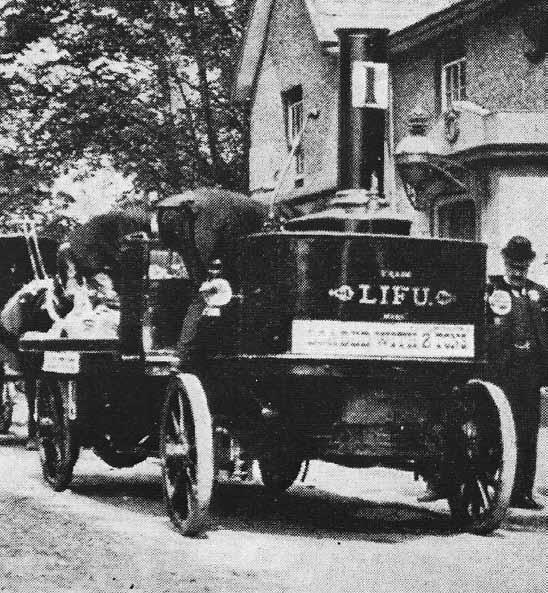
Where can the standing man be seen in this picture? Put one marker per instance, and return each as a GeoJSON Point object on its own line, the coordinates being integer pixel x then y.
{"type": "Point", "coordinates": [518, 355]}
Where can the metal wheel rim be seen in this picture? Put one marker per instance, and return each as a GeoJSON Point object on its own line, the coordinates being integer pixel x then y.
{"type": "Point", "coordinates": [480, 495]}
{"type": "Point", "coordinates": [180, 457]}
{"type": "Point", "coordinates": [186, 450]}
{"type": "Point", "coordinates": [56, 454]}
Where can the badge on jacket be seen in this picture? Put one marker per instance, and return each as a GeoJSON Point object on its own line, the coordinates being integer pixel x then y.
{"type": "Point", "coordinates": [500, 302]}
{"type": "Point", "coordinates": [534, 295]}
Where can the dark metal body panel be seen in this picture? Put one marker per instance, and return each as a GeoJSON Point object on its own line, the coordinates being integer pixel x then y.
{"type": "Point", "coordinates": [287, 276]}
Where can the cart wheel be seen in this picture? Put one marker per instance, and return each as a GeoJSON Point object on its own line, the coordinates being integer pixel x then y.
{"type": "Point", "coordinates": [186, 451]}
{"type": "Point", "coordinates": [483, 458]}
{"type": "Point", "coordinates": [6, 406]}
{"type": "Point", "coordinates": [57, 442]}
{"type": "Point", "coordinates": [279, 470]}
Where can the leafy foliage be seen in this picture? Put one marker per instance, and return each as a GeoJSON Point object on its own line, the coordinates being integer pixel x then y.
{"type": "Point", "coordinates": [143, 82]}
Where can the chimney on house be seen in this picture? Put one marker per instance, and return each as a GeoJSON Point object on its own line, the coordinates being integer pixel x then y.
{"type": "Point", "coordinates": [362, 104]}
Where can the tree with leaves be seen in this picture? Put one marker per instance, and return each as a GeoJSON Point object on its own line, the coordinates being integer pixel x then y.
{"type": "Point", "coordinates": [144, 83]}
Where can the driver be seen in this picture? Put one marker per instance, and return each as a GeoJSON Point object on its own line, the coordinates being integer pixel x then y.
{"type": "Point", "coordinates": [205, 225]}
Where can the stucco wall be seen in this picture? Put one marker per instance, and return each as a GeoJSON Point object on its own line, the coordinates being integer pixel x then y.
{"type": "Point", "coordinates": [518, 198]}
{"type": "Point", "coordinates": [293, 57]}
{"type": "Point", "coordinates": [501, 79]}
{"type": "Point", "coordinates": [499, 76]}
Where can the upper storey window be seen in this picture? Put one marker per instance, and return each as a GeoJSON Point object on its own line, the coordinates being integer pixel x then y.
{"type": "Point", "coordinates": [294, 120]}
{"type": "Point", "coordinates": [453, 82]}
{"type": "Point", "coordinates": [451, 74]}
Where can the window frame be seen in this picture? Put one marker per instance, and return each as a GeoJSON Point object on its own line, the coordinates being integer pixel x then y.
{"type": "Point", "coordinates": [460, 89]}
{"type": "Point", "coordinates": [293, 106]}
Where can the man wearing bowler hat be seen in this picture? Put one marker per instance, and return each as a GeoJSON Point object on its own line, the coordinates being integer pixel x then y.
{"type": "Point", "coordinates": [517, 348]}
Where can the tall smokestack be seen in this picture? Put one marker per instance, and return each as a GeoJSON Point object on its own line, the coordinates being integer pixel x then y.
{"type": "Point", "coordinates": [361, 129]}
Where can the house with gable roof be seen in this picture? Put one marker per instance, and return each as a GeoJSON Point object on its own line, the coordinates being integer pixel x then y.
{"type": "Point", "coordinates": [470, 75]}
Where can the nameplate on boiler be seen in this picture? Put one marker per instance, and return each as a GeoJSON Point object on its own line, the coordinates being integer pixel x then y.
{"type": "Point", "coordinates": [63, 362]}
{"type": "Point", "coordinates": [380, 339]}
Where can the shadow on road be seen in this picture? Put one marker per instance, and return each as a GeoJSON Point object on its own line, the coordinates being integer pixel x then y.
{"type": "Point", "coordinates": [136, 492]}
{"type": "Point", "coordinates": [316, 513]}
{"type": "Point", "coordinates": [303, 512]}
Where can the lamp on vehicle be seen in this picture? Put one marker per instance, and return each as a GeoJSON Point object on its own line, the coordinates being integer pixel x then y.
{"type": "Point", "coordinates": [216, 292]}
{"type": "Point", "coordinates": [425, 174]}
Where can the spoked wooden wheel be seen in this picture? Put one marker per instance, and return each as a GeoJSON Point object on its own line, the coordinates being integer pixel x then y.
{"type": "Point", "coordinates": [57, 442]}
{"type": "Point", "coordinates": [483, 458]}
{"type": "Point", "coordinates": [186, 451]}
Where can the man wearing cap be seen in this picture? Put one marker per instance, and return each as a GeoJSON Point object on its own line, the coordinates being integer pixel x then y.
{"type": "Point", "coordinates": [517, 350]}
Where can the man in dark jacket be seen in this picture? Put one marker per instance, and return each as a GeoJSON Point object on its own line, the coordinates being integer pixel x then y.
{"type": "Point", "coordinates": [95, 246]}
{"type": "Point", "coordinates": [518, 355]}
{"type": "Point", "coordinates": [205, 225]}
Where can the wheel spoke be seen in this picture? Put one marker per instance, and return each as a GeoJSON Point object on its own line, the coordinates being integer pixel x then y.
{"type": "Point", "coordinates": [484, 459]}
{"type": "Point", "coordinates": [483, 494]}
{"type": "Point", "coordinates": [181, 410]}
{"type": "Point", "coordinates": [186, 452]}
{"type": "Point", "coordinates": [175, 425]}
{"type": "Point", "coordinates": [57, 445]}
{"type": "Point", "coordinates": [179, 455]}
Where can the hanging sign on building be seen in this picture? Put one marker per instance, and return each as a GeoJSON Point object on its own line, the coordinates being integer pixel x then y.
{"type": "Point", "coordinates": [370, 84]}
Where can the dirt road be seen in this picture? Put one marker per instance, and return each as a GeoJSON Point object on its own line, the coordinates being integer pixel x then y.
{"type": "Point", "coordinates": [343, 530]}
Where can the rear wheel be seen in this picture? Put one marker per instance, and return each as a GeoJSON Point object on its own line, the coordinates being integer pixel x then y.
{"type": "Point", "coordinates": [57, 443]}
{"type": "Point", "coordinates": [186, 451]}
{"type": "Point", "coordinates": [483, 458]}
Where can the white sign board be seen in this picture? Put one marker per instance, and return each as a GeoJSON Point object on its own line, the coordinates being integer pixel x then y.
{"type": "Point", "coordinates": [400, 340]}
{"type": "Point", "coordinates": [370, 85]}
{"type": "Point", "coordinates": [66, 363]}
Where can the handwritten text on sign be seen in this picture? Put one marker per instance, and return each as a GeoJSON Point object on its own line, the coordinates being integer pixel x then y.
{"type": "Point", "coordinates": [394, 340]}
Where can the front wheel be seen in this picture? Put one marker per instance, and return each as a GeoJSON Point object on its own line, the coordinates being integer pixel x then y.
{"type": "Point", "coordinates": [482, 441]}
{"type": "Point", "coordinates": [186, 452]}
{"type": "Point", "coordinates": [57, 442]}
